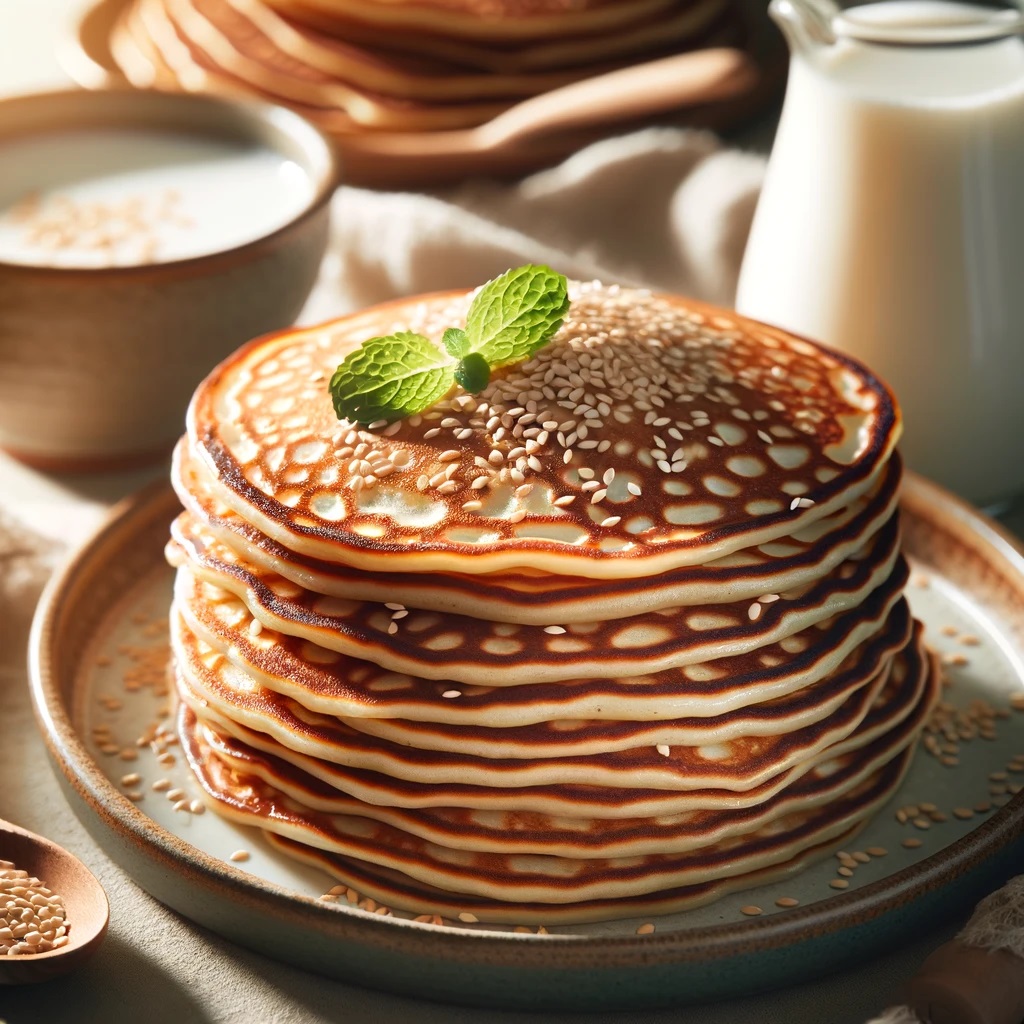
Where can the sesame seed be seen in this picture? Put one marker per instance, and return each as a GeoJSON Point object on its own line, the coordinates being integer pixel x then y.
{"type": "Point", "coordinates": [392, 628]}
{"type": "Point", "coordinates": [787, 901]}
{"type": "Point", "coordinates": [239, 856]}
{"type": "Point", "coordinates": [451, 694]}
{"type": "Point", "coordinates": [877, 851]}
{"type": "Point", "coordinates": [645, 929]}
{"type": "Point", "coordinates": [754, 612]}
{"type": "Point", "coordinates": [634, 488]}
{"type": "Point", "coordinates": [611, 521]}
{"type": "Point", "coordinates": [394, 606]}
{"type": "Point", "coordinates": [598, 495]}
{"type": "Point", "coordinates": [468, 918]}
{"type": "Point", "coordinates": [912, 843]}
{"type": "Point", "coordinates": [844, 871]}
{"type": "Point", "coordinates": [751, 911]}
{"type": "Point", "coordinates": [663, 749]}
{"type": "Point", "coordinates": [554, 629]}
{"type": "Point", "coordinates": [839, 883]}
{"type": "Point", "coordinates": [399, 615]}
{"type": "Point", "coordinates": [517, 516]}
{"type": "Point", "coordinates": [566, 499]}
{"type": "Point", "coordinates": [472, 506]}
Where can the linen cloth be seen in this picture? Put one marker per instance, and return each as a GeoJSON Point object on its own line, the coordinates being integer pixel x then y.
{"type": "Point", "coordinates": [662, 208]}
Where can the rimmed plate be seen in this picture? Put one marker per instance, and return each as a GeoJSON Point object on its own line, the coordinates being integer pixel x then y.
{"type": "Point", "coordinates": [389, 159]}
{"type": "Point", "coordinates": [98, 653]}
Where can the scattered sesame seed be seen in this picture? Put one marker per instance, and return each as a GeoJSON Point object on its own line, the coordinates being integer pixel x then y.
{"type": "Point", "coordinates": [877, 851]}
{"type": "Point", "coordinates": [468, 918]}
{"type": "Point", "coordinates": [450, 694]}
{"type": "Point", "coordinates": [131, 780]}
{"type": "Point", "coordinates": [787, 901]}
{"type": "Point", "coordinates": [845, 871]}
{"type": "Point", "coordinates": [861, 857]}
{"type": "Point", "coordinates": [963, 813]}
{"type": "Point", "coordinates": [554, 629]}
{"type": "Point", "coordinates": [751, 911]}
{"type": "Point", "coordinates": [392, 628]}
{"type": "Point", "coordinates": [239, 856]}
{"type": "Point", "coordinates": [646, 929]}
{"type": "Point", "coordinates": [839, 883]}
{"type": "Point", "coordinates": [912, 843]}
{"type": "Point", "coordinates": [611, 521]}
{"type": "Point", "coordinates": [754, 612]}
{"type": "Point", "coordinates": [663, 749]}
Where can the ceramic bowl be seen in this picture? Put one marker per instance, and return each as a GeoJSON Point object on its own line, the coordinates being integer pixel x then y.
{"type": "Point", "coordinates": [97, 364]}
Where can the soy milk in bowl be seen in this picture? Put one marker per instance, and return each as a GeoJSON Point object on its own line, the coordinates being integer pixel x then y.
{"type": "Point", "coordinates": [891, 224]}
{"type": "Point", "coordinates": [117, 198]}
{"type": "Point", "coordinates": [143, 237]}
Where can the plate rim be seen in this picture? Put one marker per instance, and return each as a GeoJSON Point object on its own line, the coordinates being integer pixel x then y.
{"type": "Point", "coordinates": [79, 772]}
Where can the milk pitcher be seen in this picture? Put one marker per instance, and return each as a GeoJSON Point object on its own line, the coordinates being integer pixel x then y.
{"type": "Point", "coordinates": [891, 223]}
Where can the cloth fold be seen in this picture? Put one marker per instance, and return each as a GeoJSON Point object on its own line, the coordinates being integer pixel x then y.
{"type": "Point", "coordinates": [663, 208]}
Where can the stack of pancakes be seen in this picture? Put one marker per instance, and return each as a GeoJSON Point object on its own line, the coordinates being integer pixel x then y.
{"type": "Point", "coordinates": [356, 66]}
{"type": "Point", "coordinates": [621, 633]}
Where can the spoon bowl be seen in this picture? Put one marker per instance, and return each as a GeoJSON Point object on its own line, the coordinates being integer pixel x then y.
{"type": "Point", "coordinates": [88, 912]}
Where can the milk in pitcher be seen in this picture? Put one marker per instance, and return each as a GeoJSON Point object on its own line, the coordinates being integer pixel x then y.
{"type": "Point", "coordinates": [891, 224]}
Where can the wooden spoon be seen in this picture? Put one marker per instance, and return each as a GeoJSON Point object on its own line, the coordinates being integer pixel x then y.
{"type": "Point", "coordinates": [84, 900]}
{"type": "Point", "coordinates": [641, 90]}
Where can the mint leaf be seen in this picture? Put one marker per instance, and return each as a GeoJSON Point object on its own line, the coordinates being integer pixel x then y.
{"type": "Point", "coordinates": [514, 315]}
{"type": "Point", "coordinates": [401, 374]}
{"type": "Point", "coordinates": [473, 374]}
{"type": "Point", "coordinates": [390, 377]}
{"type": "Point", "coordinates": [454, 340]}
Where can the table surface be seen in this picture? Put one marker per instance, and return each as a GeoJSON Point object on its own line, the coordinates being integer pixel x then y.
{"type": "Point", "coordinates": [154, 965]}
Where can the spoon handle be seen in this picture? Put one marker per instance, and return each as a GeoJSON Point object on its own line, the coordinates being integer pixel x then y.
{"type": "Point", "coordinates": [702, 76]}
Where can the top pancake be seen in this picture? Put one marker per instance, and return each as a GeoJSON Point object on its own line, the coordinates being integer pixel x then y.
{"type": "Point", "coordinates": [733, 433]}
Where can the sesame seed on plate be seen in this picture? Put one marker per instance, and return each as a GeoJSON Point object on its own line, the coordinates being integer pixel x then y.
{"type": "Point", "coordinates": [451, 694]}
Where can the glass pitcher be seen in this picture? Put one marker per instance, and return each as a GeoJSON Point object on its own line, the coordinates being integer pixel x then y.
{"type": "Point", "coordinates": [891, 224]}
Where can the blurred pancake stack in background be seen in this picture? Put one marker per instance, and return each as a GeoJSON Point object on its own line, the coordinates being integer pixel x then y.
{"type": "Point", "coordinates": [367, 71]}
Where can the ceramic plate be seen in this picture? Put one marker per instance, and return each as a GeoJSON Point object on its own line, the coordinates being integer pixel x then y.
{"type": "Point", "coordinates": [384, 159]}
{"type": "Point", "coordinates": [98, 658]}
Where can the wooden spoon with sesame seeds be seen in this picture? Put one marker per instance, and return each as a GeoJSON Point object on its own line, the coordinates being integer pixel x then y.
{"type": "Point", "coordinates": [87, 910]}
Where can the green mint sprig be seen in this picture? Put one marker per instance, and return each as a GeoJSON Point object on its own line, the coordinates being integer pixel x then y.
{"type": "Point", "coordinates": [510, 318]}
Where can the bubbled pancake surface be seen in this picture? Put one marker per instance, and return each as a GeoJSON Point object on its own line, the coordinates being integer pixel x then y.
{"type": "Point", "coordinates": [530, 597]}
{"type": "Point", "coordinates": [774, 433]}
{"type": "Point", "coordinates": [857, 643]}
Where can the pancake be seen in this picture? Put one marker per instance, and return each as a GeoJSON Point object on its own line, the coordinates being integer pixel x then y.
{"type": "Point", "coordinates": [496, 21]}
{"type": "Point", "coordinates": [392, 889]}
{"type": "Point", "coordinates": [852, 647]}
{"type": "Point", "coordinates": [522, 879]}
{"type": "Point", "coordinates": [540, 599]}
{"type": "Point", "coordinates": [439, 69]}
{"type": "Point", "coordinates": [660, 32]}
{"type": "Point", "coordinates": [622, 632]}
{"type": "Point", "coordinates": [716, 777]}
{"type": "Point", "coordinates": [465, 649]}
{"type": "Point", "coordinates": [222, 40]}
{"type": "Point", "coordinates": [529, 832]}
{"type": "Point", "coordinates": [830, 427]}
